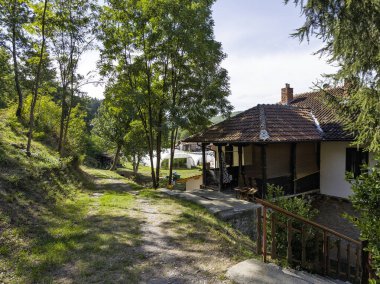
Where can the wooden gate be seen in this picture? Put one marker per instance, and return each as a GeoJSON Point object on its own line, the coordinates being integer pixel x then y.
{"type": "Point", "coordinates": [283, 235]}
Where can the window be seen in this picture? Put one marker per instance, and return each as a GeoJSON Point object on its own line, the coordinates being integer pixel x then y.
{"type": "Point", "coordinates": [355, 159]}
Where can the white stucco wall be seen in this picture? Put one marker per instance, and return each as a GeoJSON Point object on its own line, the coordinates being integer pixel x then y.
{"type": "Point", "coordinates": [333, 167]}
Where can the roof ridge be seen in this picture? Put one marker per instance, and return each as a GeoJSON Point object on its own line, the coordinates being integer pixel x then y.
{"type": "Point", "coordinates": [264, 135]}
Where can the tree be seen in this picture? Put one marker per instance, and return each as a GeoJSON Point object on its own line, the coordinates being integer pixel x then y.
{"type": "Point", "coordinates": [135, 148]}
{"type": "Point", "coordinates": [14, 14]}
{"type": "Point", "coordinates": [6, 78]}
{"type": "Point", "coordinates": [39, 26]}
{"type": "Point", "coordinates": [350, 31]}
{"type": "Point", "coordinates": [112, 123]}
{"type": "Point", "coordinates": [71, 34]}
{"type": "Point", "coordinates": [164, 56]}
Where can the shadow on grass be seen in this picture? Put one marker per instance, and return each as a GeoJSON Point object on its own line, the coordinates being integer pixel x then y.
{"type": "Point", "coordinates": [48, 233]}
{"type": "Point", "coordinates": [195, 224]}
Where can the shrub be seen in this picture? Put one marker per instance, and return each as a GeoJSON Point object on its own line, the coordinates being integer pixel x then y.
{"type": "Point", "coordinates": [296, 205]}
{"type": "Point", "coordinates": [366, 200]}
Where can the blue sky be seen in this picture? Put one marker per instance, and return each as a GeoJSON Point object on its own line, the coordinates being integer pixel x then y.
{"type": "Point", "coordinates": [261, 55]}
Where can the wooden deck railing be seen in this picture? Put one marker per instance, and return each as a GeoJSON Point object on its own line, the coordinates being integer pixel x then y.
{"type": "Point", "coordinates": [309, 245]}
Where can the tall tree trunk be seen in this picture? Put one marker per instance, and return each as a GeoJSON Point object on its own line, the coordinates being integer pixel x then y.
{"type": "Point", "coordinates": [173, 141]}
{"type": "Point", "coordinates": [15, 64]}
{"type": "Point", "coordinates": [36, 83]}
{"type": "Point", "coordinates": [134, 163]}
{"type": "Point", "coordinates": [116, 159]}
{"type": "Point", "coordinates": [158, 147]}
{"type": "Point", "coordinates": [68, 114]}
{"type": "Point", "coordinates": [137, 164]}
{"type": "Point", "coordinates": [62, 123]}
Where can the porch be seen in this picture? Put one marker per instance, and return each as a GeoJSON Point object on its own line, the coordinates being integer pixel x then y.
{"type": "Point", "coordinates": [293, 166]}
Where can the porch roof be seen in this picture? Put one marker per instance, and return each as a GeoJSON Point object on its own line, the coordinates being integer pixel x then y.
{"type": "Point", "coordinates": [264, 123]}
{"type": "Point", "coordinates": [306, 118]}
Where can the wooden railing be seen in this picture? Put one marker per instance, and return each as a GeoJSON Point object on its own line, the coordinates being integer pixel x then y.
{"type": "Point", "coordinates": [309, 245]}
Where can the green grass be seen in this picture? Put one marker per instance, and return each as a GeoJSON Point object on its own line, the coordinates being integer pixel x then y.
{"type": "Point", "coordinates": [50, 222]}
{"type": "Point", "coordinates": [62, 223]}
{"type": "Point", "coordinates": [195, 225]}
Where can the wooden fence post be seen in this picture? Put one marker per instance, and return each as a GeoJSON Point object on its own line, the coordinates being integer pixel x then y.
{"type": "Point", "coordinates": [273, 235]}
{"type": "Point", "coordinates": [348, 272]}
{"type": "Point", "coordinates": [325, 252]}
{"type": "Point", "coordinates": [289, 239]}
{"type": "Point", "coordinates": [264, 234]}
{"type": "Point", "coordinates": [303, 245]}
{"type": "Point", "coordinates": [259, 231]}
{"type": "Point", "coordinates": [364, 263]}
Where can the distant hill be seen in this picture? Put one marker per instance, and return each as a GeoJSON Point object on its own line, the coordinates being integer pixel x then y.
{"type": "Point", "coordinates": [220, 118]}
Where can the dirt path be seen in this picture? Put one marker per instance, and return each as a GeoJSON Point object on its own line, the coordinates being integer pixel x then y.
{"type": "Point", "coordinates": [170, 250]}
{"type": "Point", "coordinates": [170, 258]}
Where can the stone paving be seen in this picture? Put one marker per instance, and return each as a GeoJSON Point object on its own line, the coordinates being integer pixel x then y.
{"type": "Point", "coordinates": [255, 271]}
{"type": "Point", "coordinates": [331, 212]}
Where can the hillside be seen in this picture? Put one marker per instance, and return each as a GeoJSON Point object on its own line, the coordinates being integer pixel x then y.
{"type": "Point", "coordinates": [61, 223]}
{"type": "Point", "coordinates": [35, 194]}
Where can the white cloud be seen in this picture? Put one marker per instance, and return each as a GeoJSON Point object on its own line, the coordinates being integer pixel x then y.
{"type": "Point", "coordinates": [258, 79]}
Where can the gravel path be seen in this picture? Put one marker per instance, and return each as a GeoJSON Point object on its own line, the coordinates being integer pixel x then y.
{"type": "Point", "coordinates": [171, 259]}
{"type": "Point", "coordinates": [165, 255]}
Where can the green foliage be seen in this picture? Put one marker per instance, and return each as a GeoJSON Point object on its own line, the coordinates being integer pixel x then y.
{"type": "Point", "coordinates": [111, 124]}
{"type": "Point", "coordinates": [296, 205]}
{"type": "Point", "coordinates": [351, 34]}
{"type": "Point", "coordinates": [6, 79]}
{"type": "Point", "coordinates": [135, 146]}
{"type": "Point", "coordinates": [366, 199]}
{"type": "Point", "coordinates": [47, 118]}
{"type": "Point", "coordinates": [76, 136]}
{"type": "Point", "coordinates": [162, 57]}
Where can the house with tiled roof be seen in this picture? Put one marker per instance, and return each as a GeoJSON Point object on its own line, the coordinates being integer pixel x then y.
{"type": "Point", "coordinates": [299, 144]}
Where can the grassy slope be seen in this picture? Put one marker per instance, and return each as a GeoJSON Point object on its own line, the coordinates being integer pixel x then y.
{"type": "Point", "coordinates": [51, 224]}
{"type": "Point", "coordinates": [46, 217]}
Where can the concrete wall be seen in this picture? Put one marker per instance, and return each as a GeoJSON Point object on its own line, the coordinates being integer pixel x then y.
{"type": "Point", "coordinates": [244, 220]}
{"type": "Point", "coordinates": [333, 169]}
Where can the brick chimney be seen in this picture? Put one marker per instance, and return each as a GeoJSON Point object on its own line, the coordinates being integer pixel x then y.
{"type": "Point", "coordinates": [286, 94]}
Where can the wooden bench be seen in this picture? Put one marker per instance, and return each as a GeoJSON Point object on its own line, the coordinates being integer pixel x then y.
{"type": "Point", "coordinates": [245, 193]}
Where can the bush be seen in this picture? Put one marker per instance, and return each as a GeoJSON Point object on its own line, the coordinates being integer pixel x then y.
{"type": "Point", "coordinates": [47, 123]}
{"type": "Point", "coordinates": [296, 205]}
{"type": "Point", "coordinates": [366, 200]}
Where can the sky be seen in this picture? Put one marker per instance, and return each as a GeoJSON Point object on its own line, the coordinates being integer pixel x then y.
{"type": "Point", "coordinates": [261, 54]}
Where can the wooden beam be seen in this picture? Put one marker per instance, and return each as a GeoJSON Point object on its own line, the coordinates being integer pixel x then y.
{"type": "Point", "coordinates": [319, 155]}
{"type": "Point", "coordinates": [204, 180]}
{"type": "Point", "coordinates": [240, 173]}
{"type": "Point", "coordinates": [293, 162]}
{"type": "Point", "coordinates": [264, 170]}
{"type": "Point", "coordinates": [220, 167]}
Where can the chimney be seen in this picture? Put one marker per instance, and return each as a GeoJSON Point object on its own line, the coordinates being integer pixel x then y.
{"type": "Point", "coordinates": [286, 94]}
